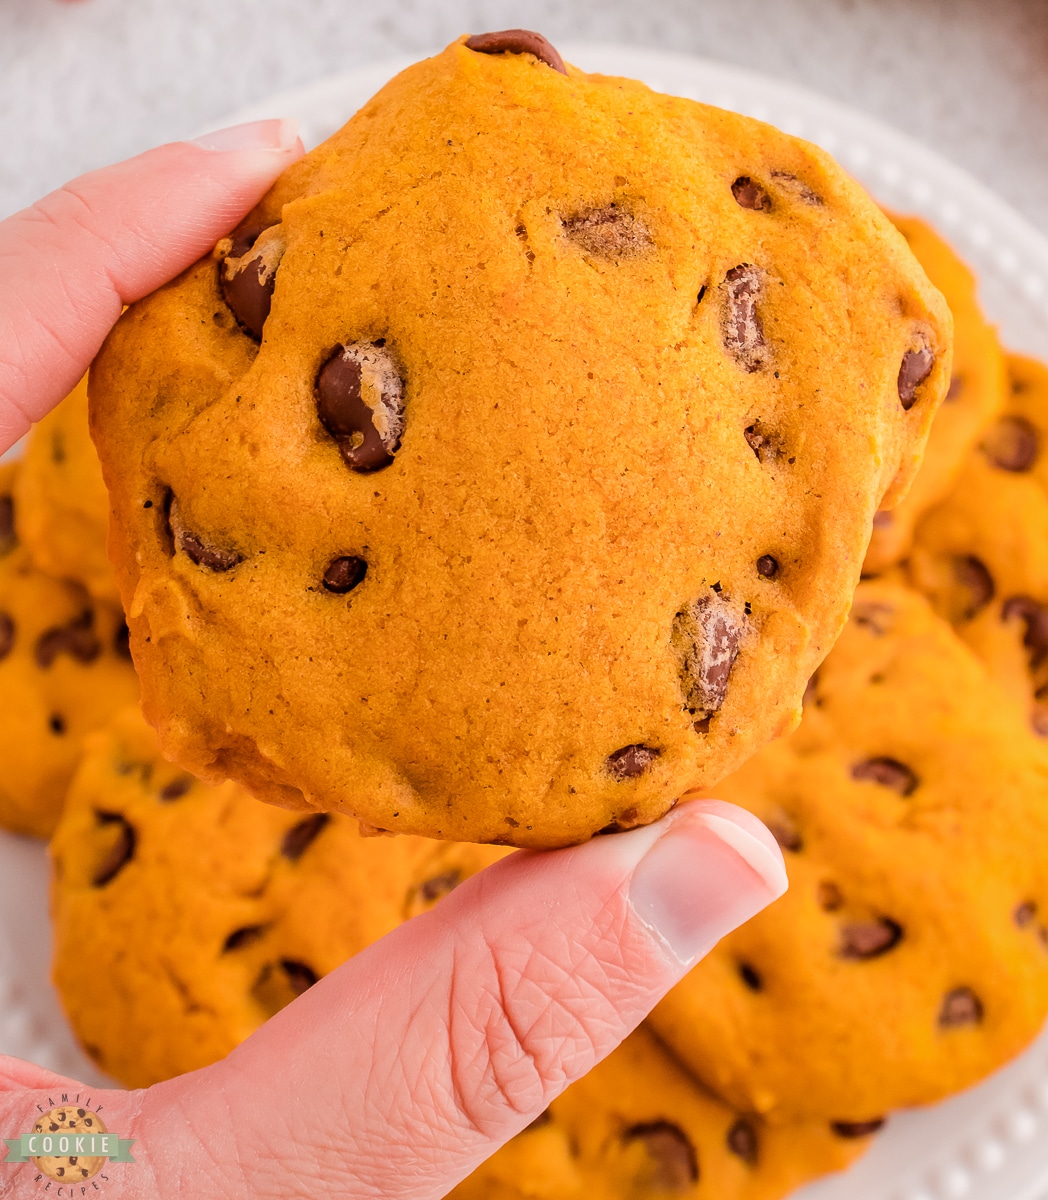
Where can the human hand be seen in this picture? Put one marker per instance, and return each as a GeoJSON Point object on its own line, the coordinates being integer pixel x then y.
{"type": "Point", "coordinates": [71, 261]}
{"type": "Point", "coordinates": [399, 1072]}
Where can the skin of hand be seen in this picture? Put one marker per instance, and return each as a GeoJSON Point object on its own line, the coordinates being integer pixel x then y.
{"type": "Point", "coordinates": [402, 1070]}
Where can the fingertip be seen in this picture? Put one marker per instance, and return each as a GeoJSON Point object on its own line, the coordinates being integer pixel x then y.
{"type": "Point", "coordinates": [279, 134]}
{"type": "Point", "coordinates": [711, 868]}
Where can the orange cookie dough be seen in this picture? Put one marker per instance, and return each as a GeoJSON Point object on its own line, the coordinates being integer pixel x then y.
{"type": "Point", "coordinates": [201, 912]}
{"type": "Point", "coordinates": [63, 509]}
{"type": "Point", "coordinates": [982, 555]}
{"type": "Point", "coordinates": [639, 1127]}
{"type": "Point", "coordinates": [976, 395]}
{"type": "Point", "coordinates": [549, 481]}
{"type": "Point", "coordinates": [64, 670]}
{"type": "Point", "coordinates": [909, 958]}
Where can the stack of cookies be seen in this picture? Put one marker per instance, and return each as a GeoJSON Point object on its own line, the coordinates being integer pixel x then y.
{"type": "Point", "coordinates": [521, 577]}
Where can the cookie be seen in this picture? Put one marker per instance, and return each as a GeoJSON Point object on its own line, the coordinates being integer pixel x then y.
{"type": "Point", "coordinates": [975, 396]}
{"type": "Point", "coordinates": [909, 958]}
{"type": "Point", "coordinates": [186, 914]}
{"type": "Point", "coordinates": [63, 509]}
{"type": "Point", "coordinates": [981, 555]}
{"type": "Point", "coordinates": [60, 1123]}
{"type": "Point", "coordinates": [65, 669]}
{"type": "Point", "coordinates": [550, 479]}
{"type": "Point", "coordinates": [638, 1126]}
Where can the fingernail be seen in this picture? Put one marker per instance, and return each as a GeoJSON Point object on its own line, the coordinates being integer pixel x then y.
{"type": "Point", "coordinates": [713, 869]}
{"type": "Point", "coordinates": [278, 134]}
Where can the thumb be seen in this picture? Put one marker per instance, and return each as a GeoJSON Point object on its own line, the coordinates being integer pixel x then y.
{"type": "Point", "coordinates": [398, 1073]}
{"type": "Point", "coordinates": [108, 238]}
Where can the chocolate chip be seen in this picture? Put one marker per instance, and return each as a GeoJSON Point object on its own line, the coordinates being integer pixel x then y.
{"type": "Point", "coordinates": [247, 274]}
{"type": "Point", "coordinates": [828, 896]}
{"type": "Point", "coordinates": [8, 538]}
{"type": "Point", "coordinates": [631, 761]}
{"type": "Point", "coordinates": [207, 556]}
{"type": "Point", "coordinates": [705, 638]}
{"type": "Point", "coordinates": [517, 41]}
{"type": "Point", "coordinates": [742, 1141]}
{"type": "Point", "coordinates": [360, 402]}
{"type": "Point", "coordinates": [975, 584]}
{"type": "Point", "coordinates": [798, 187]}
{"type": "Point", "coordinates": [199, 552]}
{"type": "Point", "coordinates": [767, 566]}
{"type": "Point", "coordinates": [742, 329]}
{"type": "Point", "coordinates": [766, 445]}
{"type": "Point", "coordinates": [432, 890]}
{"type": "Point", "coordinates": [674, 1165]}
{"type": "Point", "coordinates": [121, 848]}
{"type": "Point", "coordinates": [878, 619]}
{"type": "Point", "coordinates": [343, 574]}
{"type": "Point", "coordinates": [76, 638]}
{"type": "Point", "coordinates": [176, 789]}
{"type": "Point", "coordinates": [1025, 913]}
{"type": "Point", "coordinates": [783, 830]}
{"type": "Point", "coordinates": [888, 772]}
{"type": "Point", "coordinates": [1012, 444]}
{"type": "Point", "coordinates": [915, 369]}
{"type": "Point", "coordinates": [246, 936]}
{"type": "Point", "coordinates": [883, 520]}
{"type": "Point", "coordinates": [56, 723]}
{"type": "Point", "coordinates": [960, 1007]}
{"type": "Point", "coordinates": [750, 194]}
{"type": "Point", "coordinates": [751, 977]}
{"type": "Point", "coordinates": [857, 1129]}
{"type": "Point", "coordinates": [609, 232]}
{"type": "Point", "coordinates": [869, 939]}
{"type": "Point", "coordinates": [122, 641]}
{"type": "Point", "coordinates": [7, 635]}
{"type": "Point", "coordinates": [281, 982]}
{"type": "Point", "coordinates": [300, 837]}
{"type": "Point", "coordinates": [1035, 618]}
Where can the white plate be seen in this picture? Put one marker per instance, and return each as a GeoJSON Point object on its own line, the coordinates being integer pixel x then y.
{"type": "Point", "coordinates": [991, 1143]}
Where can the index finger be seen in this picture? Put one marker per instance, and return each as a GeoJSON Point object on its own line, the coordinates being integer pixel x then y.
{"type": "Point", "coordinates": [71, 261]}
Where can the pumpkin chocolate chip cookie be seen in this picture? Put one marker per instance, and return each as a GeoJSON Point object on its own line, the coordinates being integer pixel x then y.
{"type": "Point", "coordinates": [202, 912]}
{"type": "Point", "coordinates": [511, 468]}
{"type": "Point", "coordinates": [63, 509]}
{"type": "Point", "coordinates": [638, 1127]}
{"type": "Point", "coordinates": [64, 670]}
{"type": "Point", "coordinates": [976, 395]}
{"type": "Point", "coordinates": [982, 554]}
{"type": "Point", "coordinates": [910, 956]}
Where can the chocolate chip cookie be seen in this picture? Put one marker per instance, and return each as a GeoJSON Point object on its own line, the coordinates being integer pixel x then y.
{"type": "Point", "coordinates": [65, 669]}
{"type": "Point", "coordinates": [982, 554]}
{"type": "Point", "coordinates": [638, 1126]}
{"type": "Point", "coordinates": [910, 956]}
{"type": "Point", "coordinates": [510, 469]}
{"type": "Point", "coordinates": [975, 396]}
{"type": "Point", "coordinates": [63, 509]}
{"type": "Point", "coordinates": [202, 911]}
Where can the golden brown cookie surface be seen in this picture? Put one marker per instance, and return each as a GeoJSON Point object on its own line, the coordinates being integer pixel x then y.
{"type": "Point", "coordinates": [63, 508]}
{"type": "Point", "coordinates": [550, 480]}
{"type": "Point", "coordinates": [200, 912]}
{"type": "Point", "coordinates": [638, 1127]}
{"type": "Point", "coordinates": [64, 670]}
{"type": "Point", "coordinates": [982, 554]}
{"type": "Point", "coordinates": [910, 956]}
{"type": "Point", "coordinates": [976, 395]}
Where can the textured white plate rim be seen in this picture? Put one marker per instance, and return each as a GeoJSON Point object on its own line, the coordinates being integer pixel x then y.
{"type": "Point", "coordinates": [990, 1143]}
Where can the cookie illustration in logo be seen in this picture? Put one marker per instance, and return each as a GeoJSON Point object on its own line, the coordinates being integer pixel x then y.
{"type": "Point", "coordinates": [62, 1125]}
